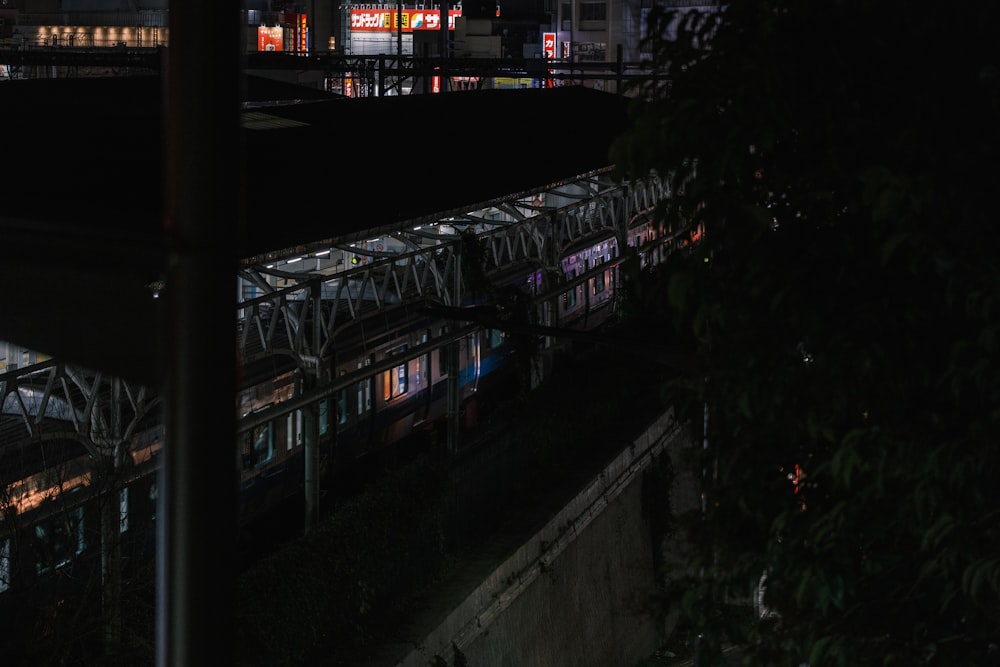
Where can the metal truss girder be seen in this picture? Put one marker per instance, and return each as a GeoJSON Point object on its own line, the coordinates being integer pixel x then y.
{"type": "Point", "coordinates": [593, 217]}
{"type": "Point", "coordinates": [646, 195]}
{"type": "Point", "coordinates": [303, 317]}
{"type": "Point", "coordinates": [53, 399]}
{"type": "Point", "coordinates": [344, 297]}
{"type": "Point", "coordinates": [383, 279]}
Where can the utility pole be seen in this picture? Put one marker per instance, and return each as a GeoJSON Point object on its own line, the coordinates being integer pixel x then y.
{"type": "Point", "coordinates": [443, 78]}
{"type": "Point", "coordinates": [196, 573]}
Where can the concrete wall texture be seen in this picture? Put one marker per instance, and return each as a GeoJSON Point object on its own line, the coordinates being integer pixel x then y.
{"type": "Point", "coordinates": [579, 592]}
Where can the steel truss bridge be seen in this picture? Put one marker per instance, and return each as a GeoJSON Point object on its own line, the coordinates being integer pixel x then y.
{"type": "Point", "coordinates": [294, 302]}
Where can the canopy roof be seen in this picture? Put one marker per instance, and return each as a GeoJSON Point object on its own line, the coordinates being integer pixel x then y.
{"type": "Point", "coordinates": [83, 206]}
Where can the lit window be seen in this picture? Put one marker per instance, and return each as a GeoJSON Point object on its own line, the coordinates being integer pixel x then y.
{"type": "Point", "coordinates": [569, 298]}
{"type": "Point", "coordinates": [258, 446]}
{"type": "Point", "coordinates": [365, 389]}
{"type": "Point", "coordinates": [395, 380]}
{"type": "Point", "coordinates": [59, 540]}
{"type": "Point", "coordinates": [4, 565]}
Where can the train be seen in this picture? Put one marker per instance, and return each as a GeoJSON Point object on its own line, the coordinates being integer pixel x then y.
{"type": "Point", "coordinates": [385, 386]}
{"type": "Point", "coordinates": [389, 382]}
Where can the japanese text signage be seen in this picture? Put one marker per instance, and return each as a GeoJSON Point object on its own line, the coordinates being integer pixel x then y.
{"type": "Point", "coordinates": [549, 45]}
{"type": "Point", "coordinates": [269, 38]}
{"type": "Point", "coordinates": [385, 20]}
{"type": "Point", "coordinates": [303, 33]}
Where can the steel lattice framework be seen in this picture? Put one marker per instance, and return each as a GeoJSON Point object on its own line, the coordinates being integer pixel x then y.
{"type": "Point", "coordinates": [55, 400]}
{"type": "Point", "coordinates": [302, 319]}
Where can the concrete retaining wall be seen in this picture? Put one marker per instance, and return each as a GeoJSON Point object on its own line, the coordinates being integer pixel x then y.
{"type": "Point", "coordinates": [578, 591]}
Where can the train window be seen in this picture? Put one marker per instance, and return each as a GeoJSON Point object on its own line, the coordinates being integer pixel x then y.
{"type": "Point", "coordinates": [418, 369]}
{"type": "Point", "coordinates": [474, 354]}
{"type": "Point", "coordinates": [424, 362]}
{"type": "Point", "coordinates": [4, 565]}
{"type": "Point", "coordinates": [294, 433]}
{"type": "Point", "coordinates": [494, 339]}
{"type": "Point", "coordinates": [365, 388]}
{"type": "Point", "coordinates": [59, 540]}
{"type": "Point", "coordinates": [599, 278]}
{"type": "Point", "coordinates": [394, 380]}
{"type": "Point", "coordinates": [123, 510]}
{"type": "Point", "coordinates": [569, 298]}
{"type": "Point", "coordinates": [258, 447]}
{"type": "Point", "coordinates": [342, 406]}
{"type": "Point", "coordinates": [324, 416]}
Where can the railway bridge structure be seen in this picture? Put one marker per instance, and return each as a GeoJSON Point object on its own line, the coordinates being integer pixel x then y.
{"type": "Point", "coordinates": [351, 210]}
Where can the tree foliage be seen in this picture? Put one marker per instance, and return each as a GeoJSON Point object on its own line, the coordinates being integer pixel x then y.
{"type": "Point", "coordinates": [844, 317]}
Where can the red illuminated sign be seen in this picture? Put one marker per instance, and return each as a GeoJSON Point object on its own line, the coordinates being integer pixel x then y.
{"type": "Point", "coordinates": [303, 34]}
{"type": "Point", "coordinates": [549, 45]}
{"type": "Point", "coordinates": [549, 52]}
{"type": "Point", "coordinates": [269, 39]}
{"type": "Point", "coordinates": [385, 20]}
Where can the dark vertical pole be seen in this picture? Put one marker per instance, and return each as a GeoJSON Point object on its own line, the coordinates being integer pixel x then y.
{"type": "Point", "coordinates": [313, 23]}
{"type": "Point", "coordinates": [196, 606]}
{"type": "Point", "coordinates": [619, 70]}
{"type": "Point", "coordinates": [444, 28]}
{"type": "Point", "coordinates": [311, 378]}
{"type": "Point", "coordinates": [381, 77]}
{"type": "Point", "coordinates": [399, 31]}
{"type": "Point", "coordinates": [454, 386]}
{"type": "Point", "coordinates": [428, 71]}
{"type": "Point", "coordinates": [310, 422]}
{"type": "Point", "coordinates": [444, 46]}
{"type": "Point", "coordinates": [453, 397]}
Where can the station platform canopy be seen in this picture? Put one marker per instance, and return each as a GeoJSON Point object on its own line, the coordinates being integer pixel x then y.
{"type": "Point", "coordinates": [82, 213]}
{"type": "Point", "coordinates": [87, 153]}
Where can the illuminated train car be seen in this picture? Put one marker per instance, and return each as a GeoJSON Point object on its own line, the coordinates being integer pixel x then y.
{"type": "Point", "coordinates": [389, 378]}
{"type": "Point", "coordinates": [66, 509]}
{"type": "Point", "coordinates": [383, 389]}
